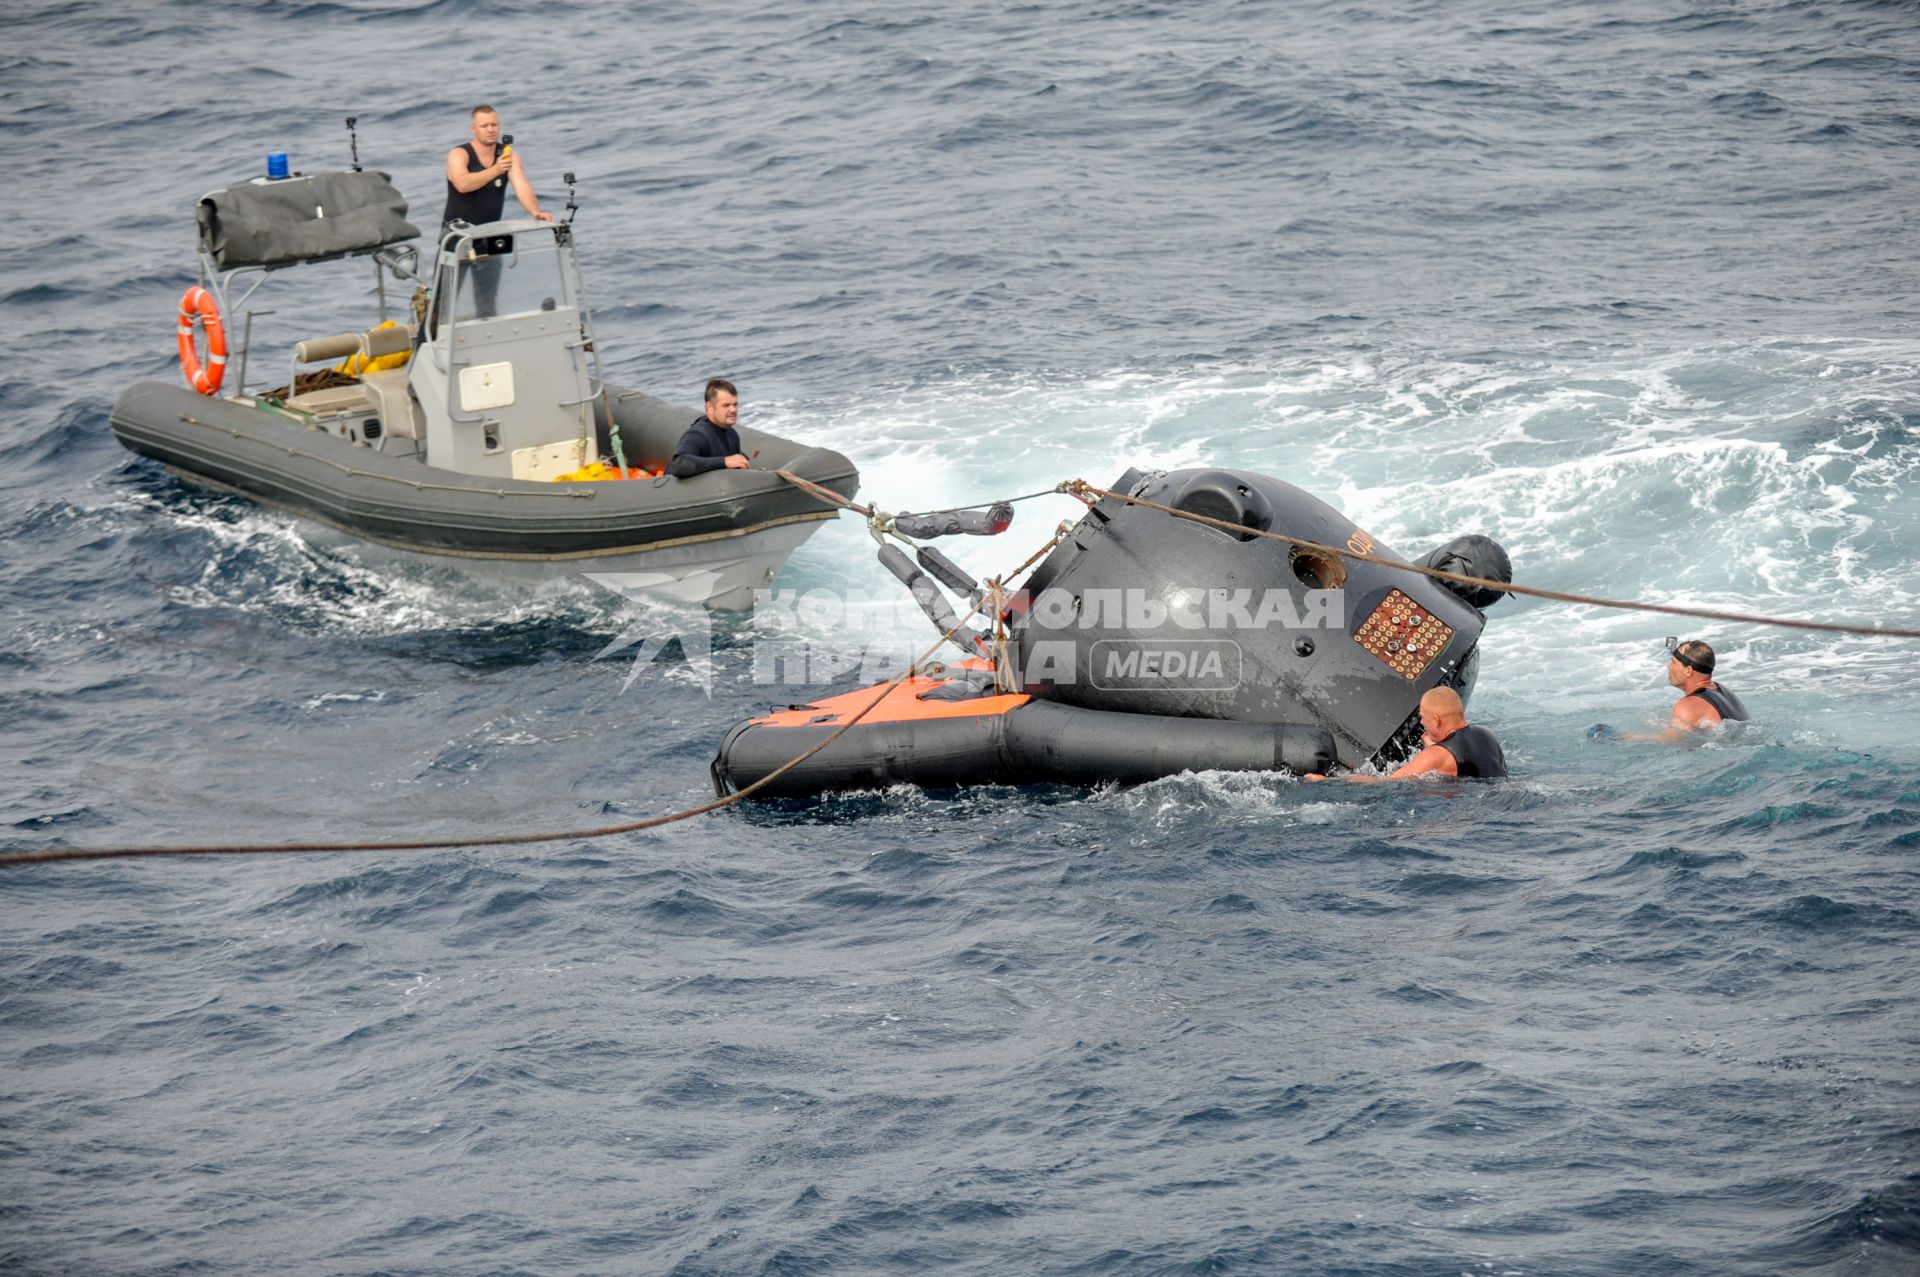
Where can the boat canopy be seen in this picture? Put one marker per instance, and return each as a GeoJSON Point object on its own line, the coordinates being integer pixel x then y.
{"type": "Point", "coordinates": [303, 219]}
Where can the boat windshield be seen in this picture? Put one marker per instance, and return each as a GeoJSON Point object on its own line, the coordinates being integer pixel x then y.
{"type": "Point", "coordinates": [520, 276]}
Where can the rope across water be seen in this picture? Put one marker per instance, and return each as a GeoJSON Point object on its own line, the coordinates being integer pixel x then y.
{"type": "Point", "coordinates": [1079, 488]}
{"type": "Point", "coordinates": [506, 840]}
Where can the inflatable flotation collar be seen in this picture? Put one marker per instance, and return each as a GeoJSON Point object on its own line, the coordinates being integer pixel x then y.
{"type": "Point", "coordinates": [198, 304]}
{"type": "Point", "coordinates": [943, 733]}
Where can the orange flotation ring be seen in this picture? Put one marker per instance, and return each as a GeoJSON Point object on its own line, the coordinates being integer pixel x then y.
{"type": "Point", "coordinates": [198, 304]}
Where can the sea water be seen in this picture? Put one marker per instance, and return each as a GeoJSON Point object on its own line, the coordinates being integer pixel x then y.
{"type": "Point", "coordinates": [1628, 287]}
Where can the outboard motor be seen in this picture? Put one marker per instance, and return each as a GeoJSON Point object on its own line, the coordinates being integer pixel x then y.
{"type": "Point", "coordinates": [1143, 612]}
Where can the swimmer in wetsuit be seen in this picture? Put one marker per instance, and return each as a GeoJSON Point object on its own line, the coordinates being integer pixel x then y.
{"type": "Point", "coordinates": [1453, 747]}
{"type": "Point", "coordinates": [1703, 703]}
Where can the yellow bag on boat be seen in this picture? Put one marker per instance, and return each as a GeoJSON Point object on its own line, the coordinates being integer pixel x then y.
{"type": "Point", "coordinates": [354, 365]}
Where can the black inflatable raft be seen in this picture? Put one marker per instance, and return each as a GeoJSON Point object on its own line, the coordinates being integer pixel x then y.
{"type": "Point", "coordinates": [1148, 643]}
{"type": "Point", "coordinates": [918, 735]}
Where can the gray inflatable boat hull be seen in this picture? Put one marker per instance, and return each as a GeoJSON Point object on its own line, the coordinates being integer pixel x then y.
{"type": "Point", "coordinates": [720, 534]}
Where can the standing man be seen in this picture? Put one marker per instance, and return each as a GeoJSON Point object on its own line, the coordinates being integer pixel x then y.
{"type": "Point", "coordinates": [477, 176]}
{"type": "Point", "coordinates": [478, 173]}
{"type": "Point", "coordinates": [711, 442]}
{"type": "Point", "coordinates": [1452, 746]}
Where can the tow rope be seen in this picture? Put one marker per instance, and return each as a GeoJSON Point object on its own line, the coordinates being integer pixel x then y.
{"type": "Point", "coordinates": [993, 595]}
{"type": "Point", "coordinates": [1080, 487]}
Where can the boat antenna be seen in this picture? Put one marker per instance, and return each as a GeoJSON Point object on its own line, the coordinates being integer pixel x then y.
{"type": "Point", "coordinates": [573, 205]}
{"type": "Point", "coordinates": [353, 140]}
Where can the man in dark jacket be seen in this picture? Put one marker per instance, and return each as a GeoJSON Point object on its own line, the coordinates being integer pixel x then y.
{"type": "Point", "coordinates": [711, 442]}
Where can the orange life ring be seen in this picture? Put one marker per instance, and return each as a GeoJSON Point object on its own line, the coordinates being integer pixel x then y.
{"type": "Point", "coordinates": [199, 304]}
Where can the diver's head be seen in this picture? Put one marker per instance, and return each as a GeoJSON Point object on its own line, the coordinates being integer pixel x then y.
{"type": "Point", "coordinates": [1442, 712]}
{"type": "Point", "coordinates": [1692, 659]}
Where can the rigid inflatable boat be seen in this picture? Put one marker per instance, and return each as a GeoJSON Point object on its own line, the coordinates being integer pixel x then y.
{"type": "Point", "coordinates": [1149, 643]}
{"type": "Point", "coordinates": [478, 428]}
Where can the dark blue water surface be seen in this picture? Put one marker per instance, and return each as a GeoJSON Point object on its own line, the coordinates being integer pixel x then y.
{"type": "Point", "coordinates": [1629, 286]}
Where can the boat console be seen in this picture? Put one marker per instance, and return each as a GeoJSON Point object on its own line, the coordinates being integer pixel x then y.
{"type": "Point", "coordinates": [505, 374]}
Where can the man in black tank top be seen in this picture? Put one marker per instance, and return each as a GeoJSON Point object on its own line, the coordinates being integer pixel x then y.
{"type": "Point", "coordinates": [478, 174]}
{"type": "Point", "coordinates": [1703, 703]}
{"type": "Point", "coordinates": [1452, 746]}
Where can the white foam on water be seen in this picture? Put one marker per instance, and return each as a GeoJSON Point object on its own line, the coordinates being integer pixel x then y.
{"type": "Point", "coordinates": [1773, 478]}
{"type": "Point", "coordinates": [340, 698]}
{"type": "Point", "coordinates": [262, 563]}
